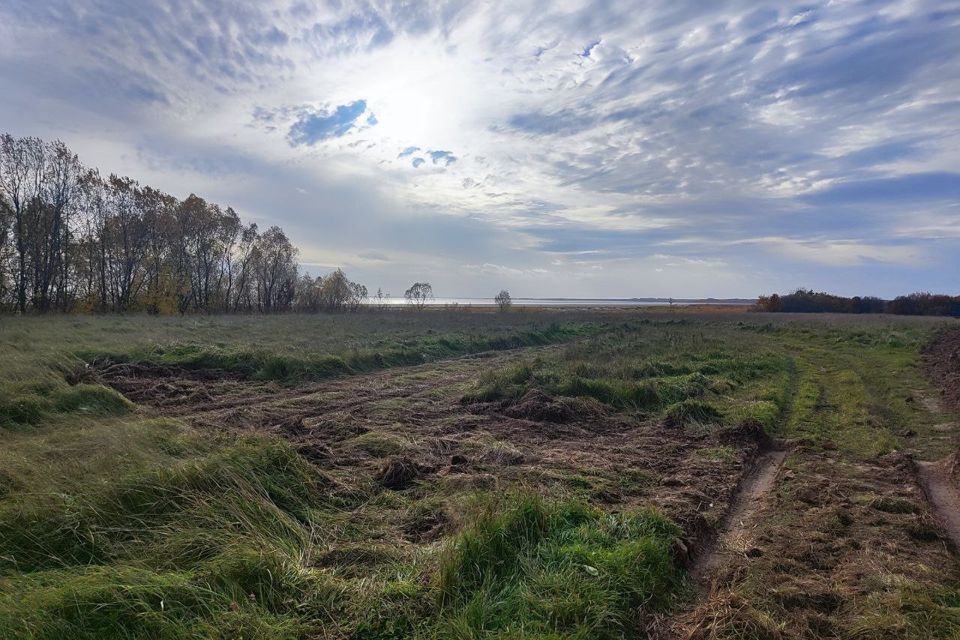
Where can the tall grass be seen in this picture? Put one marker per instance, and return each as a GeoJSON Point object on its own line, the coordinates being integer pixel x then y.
{"type": "Point", "coordinates": [657, 369]}
{"type": "Point", "coordinates": [177, 552]}
{"type": "Point", "coordinates": [117, 525]}
{"type": "Point", "coordinates": [531, 569]}
{"type": "Point", "coordinates": [297, 368]}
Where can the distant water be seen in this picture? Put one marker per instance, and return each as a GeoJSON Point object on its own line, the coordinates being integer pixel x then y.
{"type": "Point", "coordinates": [561, 302]}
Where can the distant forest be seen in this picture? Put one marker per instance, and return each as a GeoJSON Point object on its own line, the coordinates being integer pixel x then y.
{"type": "Point", "coordinates": [915, 304]}
{"type": "Point", "coordinates": [74, 240]}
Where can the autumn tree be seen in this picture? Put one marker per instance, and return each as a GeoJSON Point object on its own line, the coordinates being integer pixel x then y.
{"type": "Point", "coordinates": [71, 239]}
{"type": "Point", "coordinates": [275, 260]}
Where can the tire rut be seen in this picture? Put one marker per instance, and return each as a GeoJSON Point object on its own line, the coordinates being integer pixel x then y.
{"type": "Point", "coordinates": [734, 536]}
{"type": "Point", "coordinates": [943, 495]}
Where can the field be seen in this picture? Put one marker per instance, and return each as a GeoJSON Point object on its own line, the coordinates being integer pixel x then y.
{"type": "Point", "coordinates": [470, 475]}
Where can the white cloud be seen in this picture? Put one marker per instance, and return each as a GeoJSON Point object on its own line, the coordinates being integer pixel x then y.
{"type": "Point", "coordinates": [621, 128]}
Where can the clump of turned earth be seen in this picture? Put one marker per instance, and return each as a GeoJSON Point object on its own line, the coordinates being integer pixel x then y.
{"type": "Point", "coordinates": [409, 432]}
{"type": "Point", "coordinates": [399, 472]}
{"type": "Point", "coordinates": [942, 360]}
{"type": "Point", "coordinates": [536, 405]}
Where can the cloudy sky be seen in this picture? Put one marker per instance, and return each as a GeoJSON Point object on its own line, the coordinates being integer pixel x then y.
{"type": "Point", "coordinates": [613, 148]}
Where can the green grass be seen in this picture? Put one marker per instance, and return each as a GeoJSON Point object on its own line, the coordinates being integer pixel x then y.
{"type": "Point", "coordinates": [660, 369]}
{"type": "Point", "coordinates": [291, 349]}
{"type": "Point", "coordinates": [295, 368]}
{"type": "Point", "coordinates": [167, 553]}
{"type": "Point", "coordinates": [533, 569]}
{"type": "Point", "coordinates": [116, 524]}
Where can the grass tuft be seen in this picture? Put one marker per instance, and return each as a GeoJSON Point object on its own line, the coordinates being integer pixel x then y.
{"type": "Point", "coordinates": [534, 569]}
{"type": "Point", "coordinates": [692, 412]}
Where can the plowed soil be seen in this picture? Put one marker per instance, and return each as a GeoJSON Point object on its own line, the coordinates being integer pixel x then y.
{"type": "Point", "coordinates": [820, 549]}
{"type": "Point", "coordinates": [412, 422]}
{"type": "Point", "coordinates": [942, 360]}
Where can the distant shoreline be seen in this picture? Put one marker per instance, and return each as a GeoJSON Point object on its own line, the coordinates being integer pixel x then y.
{"type": "Point", "coordinates": [572, 302]}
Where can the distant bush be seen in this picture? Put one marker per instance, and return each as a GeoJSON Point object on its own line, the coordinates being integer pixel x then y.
{"type": "Point", "coordinates": [809, 301]}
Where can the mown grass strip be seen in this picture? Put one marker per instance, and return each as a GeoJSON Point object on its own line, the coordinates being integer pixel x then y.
{"type": "Point", "coordinates": [293, 368]}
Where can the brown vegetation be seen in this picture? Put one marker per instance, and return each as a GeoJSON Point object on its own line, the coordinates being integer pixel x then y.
{"type": "Point", "coordinates": [411, 427]}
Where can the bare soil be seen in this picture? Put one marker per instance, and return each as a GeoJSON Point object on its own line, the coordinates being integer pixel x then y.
{"type": "Point", "coordinates": [408, 429]}
{"type": "Point", "coordinates": [942, 361]}
{"type": "Point", "coordinates": [939, 481]}
{"type": "Point", "coordinates": [822, 548]}
{"type": "Point", "coordinates": [736, 535]}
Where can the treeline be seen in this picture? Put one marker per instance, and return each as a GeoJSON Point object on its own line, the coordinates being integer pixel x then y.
{"type": "Point", "coordinates": [74, 240]}
{"type": "Point", "coordinates": [808, 301]}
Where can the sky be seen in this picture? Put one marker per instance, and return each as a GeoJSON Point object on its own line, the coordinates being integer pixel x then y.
{"type": "Point", "coordinates": [581, 149]}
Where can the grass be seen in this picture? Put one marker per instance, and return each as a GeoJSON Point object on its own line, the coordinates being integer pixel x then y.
{"type": "Point", "coordinates": [290, 349]}
{"type": "Point", "coordinates": [662, 369]}
{"type": "Point", "coordinates": [293, 368]}
{"type": "Point", "coordinates": [166, 553]}
{"type": "Point", "coordinates": [118, 524]}
{"type": "Point", "coordinates": [533, 569]}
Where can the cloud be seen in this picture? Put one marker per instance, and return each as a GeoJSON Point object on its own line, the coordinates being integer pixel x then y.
{"type": "Point", "coordinates": [587, 50]}
{"type": "Point", "coordinates": [562, 122]}
{"type": "Point", "coordinates": [446, 157]}
{"type": "Point", "coordinates": [311, 128]}
{"type": "Point", "coordinates": [811, 140]}
{"type": "Point", "coordinates": [842, 253]}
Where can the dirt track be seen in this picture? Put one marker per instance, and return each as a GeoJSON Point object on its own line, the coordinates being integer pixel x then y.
{"type": "Point", "coordinates": [351, 427]}
{"type": "Point", "coordinates": [810, 530]}
{"type": "Point", "coordinates": [940, 486]}
{"type": "Point", "coordinates": [735, 537]}
{"type": "Point", "coordinates": [942, 360]}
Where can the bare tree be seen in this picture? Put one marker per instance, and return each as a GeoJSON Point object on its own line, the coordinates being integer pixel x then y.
{"type": "Point", "coordinates": [21, 172]}
{"type": "Point", "coordinates": [383, 299]}
{"type": "Point", "coordinates": [334, 292]}
{"type": "Point", "coordinates": [419, 294]}
{"type": "Point", "coordinates": [59, 190]}
{"type": "Point", "coordinates": [503, 300]}
{"type": "Point", "coordinates": [243, 265]}
{"type": "Point", "coordinates": [128, 240]}
{"type": "Point", "coordinates": [275, 261]}
{"type": "Point", "coordinates": [358, 293]}
{"type": "Point", "coordinates": [6, 215]}
{"type": "Point", "coordinates": [71, 239]}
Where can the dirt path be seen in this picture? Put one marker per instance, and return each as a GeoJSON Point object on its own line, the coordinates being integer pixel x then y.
{"type": "Point", "coordinates": [348, 426]}
{"type": "Point", "coordinates": [735, 537]}
{"type": "Point", "coordinates": [944, 496]}
{"type": "Point", "coordinates": [174, 391]}
{"type": "Point", "coordinates": [734, 542]}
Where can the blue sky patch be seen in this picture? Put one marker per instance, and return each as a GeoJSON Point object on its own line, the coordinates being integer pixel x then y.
{"type": "Point", "coordinates": [311, 128]}
{"type": "Point", "coordinates": [445, 157]}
